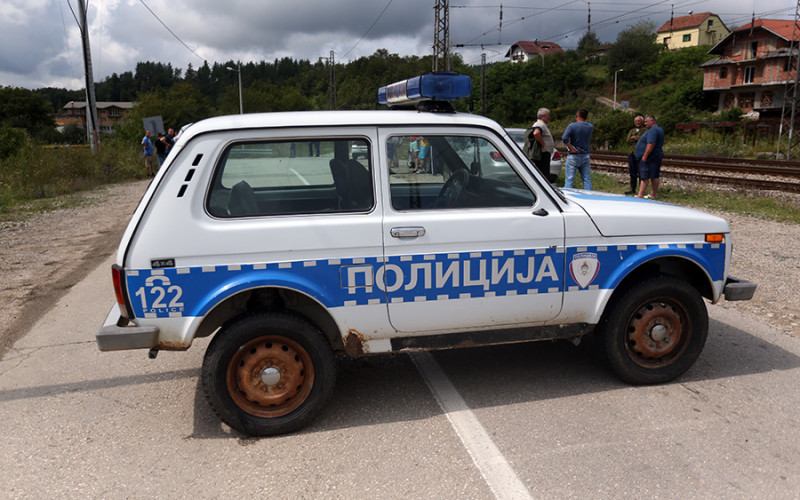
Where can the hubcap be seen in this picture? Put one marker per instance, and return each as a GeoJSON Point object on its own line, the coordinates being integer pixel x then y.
{"type": "Point", "coordinates": [270, 376]}
{"type": "Point", "coordinates": [658, 333]}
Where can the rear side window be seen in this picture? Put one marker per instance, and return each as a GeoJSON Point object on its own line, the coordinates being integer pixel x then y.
{"type": "Point", "coordinates": [292, 177]}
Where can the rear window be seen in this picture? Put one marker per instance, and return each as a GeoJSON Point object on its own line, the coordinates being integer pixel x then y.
{"type": "Point", "coordinates": [292, 177]}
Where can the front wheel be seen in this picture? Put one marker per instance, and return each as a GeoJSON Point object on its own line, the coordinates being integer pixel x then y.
{"type": "Point", "coordinates": [654, 331]}
{"type": "Point", "coordinates": [268, 373]}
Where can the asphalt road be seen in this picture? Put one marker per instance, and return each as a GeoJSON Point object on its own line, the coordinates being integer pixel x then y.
{"type": "Point", "coordinates": [540, 420]}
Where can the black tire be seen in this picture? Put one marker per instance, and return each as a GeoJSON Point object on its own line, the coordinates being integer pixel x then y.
{"type": "Point", "coordinates": [268, 373]}
{"type": "Point", "coordinates": [654, 331]}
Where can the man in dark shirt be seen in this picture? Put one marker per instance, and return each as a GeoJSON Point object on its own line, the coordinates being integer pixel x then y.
{"type": "Point", "coordinates": [578, 137]}
{"type": "Point", "coordinates": [650, 152]}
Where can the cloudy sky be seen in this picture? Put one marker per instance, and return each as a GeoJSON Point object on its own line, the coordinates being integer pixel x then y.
{"type": "Point", "coordinates": [40, 41]}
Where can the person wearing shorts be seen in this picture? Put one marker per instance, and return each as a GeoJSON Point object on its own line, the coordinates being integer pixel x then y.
{"type": "Point", "coordinates": [422, 156]}
{"type": "Point", "coordinates": [649, 153]}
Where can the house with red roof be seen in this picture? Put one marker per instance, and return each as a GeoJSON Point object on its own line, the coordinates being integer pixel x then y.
{"type": "Point", "coordinates": [692, 30]}
{"type": "Point", "coordinates": [109, 114]}
{"type": "Point", "coordinates": [525, 51]}
{"type": "Point", "coordinates": [753, 65]}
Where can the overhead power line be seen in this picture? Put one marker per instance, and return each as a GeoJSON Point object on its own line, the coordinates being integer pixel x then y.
{"type": "Point", "coordinates": [369, 29]}
{"type": "Point", "coordinates": [172, 32]}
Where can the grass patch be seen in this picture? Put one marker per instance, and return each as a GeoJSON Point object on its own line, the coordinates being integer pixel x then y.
{"type": "Point", "coordinates": [35, 179]}
{"type": "Point", "coordinates": [709, 199]}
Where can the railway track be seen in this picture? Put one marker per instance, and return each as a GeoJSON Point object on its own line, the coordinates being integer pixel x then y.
{"type": "Point", "coordinates": [767, 175]}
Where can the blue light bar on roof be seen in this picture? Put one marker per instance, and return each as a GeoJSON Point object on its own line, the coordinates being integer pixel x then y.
{"type": "Point", "coordinates": [440, 86]}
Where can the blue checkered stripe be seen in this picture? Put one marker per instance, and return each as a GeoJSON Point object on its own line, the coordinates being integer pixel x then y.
{"type": "Point", "coordinates": [603, 267]}
{"type": "Point", "coordinates": [193, 291]}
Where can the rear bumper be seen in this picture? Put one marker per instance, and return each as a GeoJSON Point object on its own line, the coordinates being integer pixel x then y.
{"type": "Point", "coordinates": [113, 337]}
{"type": "Point", "coordinates": [736, 289]}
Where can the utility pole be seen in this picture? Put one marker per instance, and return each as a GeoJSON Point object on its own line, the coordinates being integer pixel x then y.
{"type": "Point", "coordinates": [786, 131]}
{"type": "Point", "coordinates": [483, 84]}
{"type": "Point", "coordinates": [332, 82]}
{"type": "Point", "coordinates": [91, 104]}
{"type": "Point", "coordinates": [589, 18]}
{"type": "Point", "coordinates": [615, 87]}
{"type": "Point", "coordinates": [238, 69]}
{"type": "Point", "coordinates": [441, 36]}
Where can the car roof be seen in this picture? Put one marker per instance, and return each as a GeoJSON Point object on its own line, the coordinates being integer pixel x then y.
{"type": "Point", "coordinates": [317, 119]}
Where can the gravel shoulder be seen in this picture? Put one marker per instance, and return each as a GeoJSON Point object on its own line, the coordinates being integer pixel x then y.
{"type": "Point", "coordinates": [43, 255]}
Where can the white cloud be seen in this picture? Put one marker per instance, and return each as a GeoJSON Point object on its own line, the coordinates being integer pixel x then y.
{"type": "Point", "coordinates": [40, 44]}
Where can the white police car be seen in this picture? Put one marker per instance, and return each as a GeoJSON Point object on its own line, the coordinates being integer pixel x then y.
{"type": "Point", "coordinates": [288, 260]}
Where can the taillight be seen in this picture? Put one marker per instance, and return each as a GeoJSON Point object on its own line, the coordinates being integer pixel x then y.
{"type": "Point", "coordinates": [119, 289]}
{"type": "Point", "coordinates": [556, 155]}
{"type": "Point", "coordinates": [496, 156]}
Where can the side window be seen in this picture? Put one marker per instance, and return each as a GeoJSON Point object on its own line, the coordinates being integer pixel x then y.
{"type": "Point", "coordinates": [435, 172]}
{"type": "Point", "coordinates": [292, 177]}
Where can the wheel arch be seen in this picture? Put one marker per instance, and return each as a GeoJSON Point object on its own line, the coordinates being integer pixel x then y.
{"type": "Point", "coordinates": [680, 267]}
{"type": "Point", "coordinates": [270, 297]}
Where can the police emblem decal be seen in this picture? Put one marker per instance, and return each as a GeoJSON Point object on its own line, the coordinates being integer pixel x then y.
{"type": "Point", "coordinates": [584, 268]}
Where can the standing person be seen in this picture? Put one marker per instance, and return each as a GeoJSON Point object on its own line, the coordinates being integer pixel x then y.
{"type": "Point", "coordinates": [161, 149]}
{"type": "Point", "coordinates": [422, 156]}
{"type": "Point", "coordinates": [632, 139]}
{"type": "Point", "coordinates": [650, 151]}
{"type": "Point", "coordinates": [147, 152]}
{"type": "Point", "coordinates": [169, 140]}
{"type": "Point", "coordinates": [543, 136]}
{"type": "Point", "coordinates": [413, 152]}
{"type": "Point", "coordinates": [578, 137]}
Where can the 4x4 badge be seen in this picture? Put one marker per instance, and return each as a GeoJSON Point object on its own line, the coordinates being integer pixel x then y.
{"type": "Point", "coordinates": [584, 268]}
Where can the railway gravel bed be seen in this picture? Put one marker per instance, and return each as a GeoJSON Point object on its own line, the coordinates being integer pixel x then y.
{"type": "Point", "coordinates": [43, 255]}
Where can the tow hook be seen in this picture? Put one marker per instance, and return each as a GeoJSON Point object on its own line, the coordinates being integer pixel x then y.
{"type": "Point", "coordinates": [152, 353]}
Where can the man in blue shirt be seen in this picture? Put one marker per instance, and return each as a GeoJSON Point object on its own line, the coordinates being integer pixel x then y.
{"type": "Point", "coordinates": [577, 137]}
{"type": "Point", "coordinates": [147, 152]}
{"type": "Point", "coordinates": [650, 152]}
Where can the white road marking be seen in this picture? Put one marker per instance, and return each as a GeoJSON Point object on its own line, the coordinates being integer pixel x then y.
{"type": "Point", "coordinates": [494, 468]}
{"type": "Point", "coordinates": [300, 176]}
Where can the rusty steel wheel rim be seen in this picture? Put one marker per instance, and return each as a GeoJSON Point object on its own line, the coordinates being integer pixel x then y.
{"type": "Point", "coordinates": [270, 376]}
{"type": "Point", "coordinates": [658, 333]}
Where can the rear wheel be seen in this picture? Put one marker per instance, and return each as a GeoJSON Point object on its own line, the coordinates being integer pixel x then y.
{"type": "Point", "coordinates": [268, 373]}
{"type": "Point", "coordinates": [655, 330]}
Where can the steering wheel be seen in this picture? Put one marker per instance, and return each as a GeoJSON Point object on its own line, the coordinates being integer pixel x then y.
{"type": "Point", "coordinates": [452, 189]}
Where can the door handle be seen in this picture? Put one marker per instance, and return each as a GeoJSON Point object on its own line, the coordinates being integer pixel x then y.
{"type": "Point", "coordinates": [407, 232]}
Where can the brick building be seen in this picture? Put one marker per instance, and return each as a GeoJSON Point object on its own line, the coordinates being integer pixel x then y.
{"type": "Point", "coordinates": [752, 66]}
{"type": "Point", "coordinates": [108, 114]}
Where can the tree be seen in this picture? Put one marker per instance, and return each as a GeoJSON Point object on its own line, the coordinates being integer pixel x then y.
{"type": "Point", "coordinates": [634, 49]}
{"type": "Point", "coordinates": [180, 105]}
{"type": "Point", "coordinates": [23, 109]}
{"type": "Point", "coordinates": [588, 44]}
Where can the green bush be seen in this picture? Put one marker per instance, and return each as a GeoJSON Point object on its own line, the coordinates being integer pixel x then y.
{"type": "Point", "coordinates": [730, 115]}
{"type": "Point", "coordinates": [611, 129]}
{"type": "Point", "coordinates": [11, 140]}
